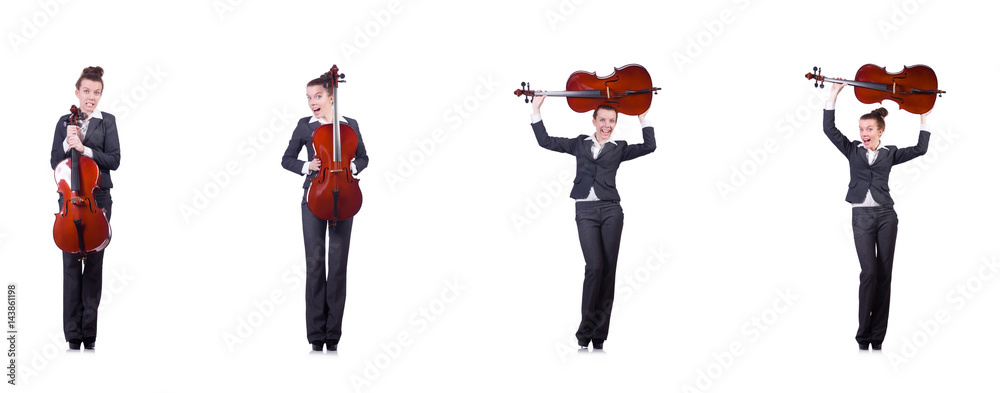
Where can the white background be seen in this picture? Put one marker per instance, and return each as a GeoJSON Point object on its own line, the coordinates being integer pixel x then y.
{"type": "Point", "coordinates": [214, 298]}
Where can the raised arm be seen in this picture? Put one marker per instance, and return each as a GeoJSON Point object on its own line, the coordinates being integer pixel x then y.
{"type": "Point", "coordinates": [648, 141]}
{"type": "Point", "coordinates": [557, 144]}
{"type": "Point", "coordinates": [908, 153]}
{"type": "Point", "coordinates": [829, 127]}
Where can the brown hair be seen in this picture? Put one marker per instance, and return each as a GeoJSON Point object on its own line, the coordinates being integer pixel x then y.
{"type": "Point", "coordinates": [91, 74]}
{"type": "Point", "coordinates": [320, 82]}
{"type": "Point", "coordinates": [878, 115]}
{"type": "Point", "coordinates": [608, 107]}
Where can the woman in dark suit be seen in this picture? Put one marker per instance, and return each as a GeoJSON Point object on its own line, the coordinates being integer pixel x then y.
{"type": "Point", "coordinates": [325, 295]}
{"type": "Point", "coordinates": [873, 218]}
{"type": "Point", "coordinates": [599, 217]}
{"type": "Point", "coordinates": [97, 138]}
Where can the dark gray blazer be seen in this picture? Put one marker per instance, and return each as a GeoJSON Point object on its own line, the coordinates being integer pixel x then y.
{"type": "Point", "coordinates": [874, 177]}
{"type": "Point", "coordinates": [302, 136]}
{"type": "Point", "coordinates": [101, 138]}
{"type": "Point", "coordinates": [597, 173]}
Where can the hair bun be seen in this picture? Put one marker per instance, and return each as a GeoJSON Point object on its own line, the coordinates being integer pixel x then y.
{"type": "Point", "coordinates": [93, 70]}
{"type": "Point", "coordinates": [880, 112]}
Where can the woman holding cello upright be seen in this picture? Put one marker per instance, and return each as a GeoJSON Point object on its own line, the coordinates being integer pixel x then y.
{"type": "Point", "coordinates": [97, 139]}
{"type": "Point", "coordinates": [325, 294]}
{"type": "Point", "coordinates": [599, 217]}
{"type": "Point", "coordinates": [873, 218]}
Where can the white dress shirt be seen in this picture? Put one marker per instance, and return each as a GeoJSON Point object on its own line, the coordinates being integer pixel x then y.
{"type": "Point", "coordinates": [83, 134]}
{"type": "Point", "coordinates": [305, 167]}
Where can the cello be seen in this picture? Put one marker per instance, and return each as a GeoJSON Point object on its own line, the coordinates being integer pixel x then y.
{"type": "Point", "coordinates": [629, 89]}
{"type": "Point", "coordinates": [334, 193]}
{"type": "Point", "coordinates": [81, 226]}
{"type": "Point", "coordinates": [914, 88]}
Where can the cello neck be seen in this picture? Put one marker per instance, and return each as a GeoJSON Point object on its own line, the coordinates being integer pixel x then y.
{"type": "Point", "coordinates": [575, 93]}
{"type": "Point", "coordinates": [335, 126]}
{"type": "Point", "coordinates": [866, 85]}
{"type": "Point", "coordinates": [74, 162]}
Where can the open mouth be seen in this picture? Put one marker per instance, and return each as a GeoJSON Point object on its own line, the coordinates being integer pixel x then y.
{"type": "Point", "coordinates": [315, 111]}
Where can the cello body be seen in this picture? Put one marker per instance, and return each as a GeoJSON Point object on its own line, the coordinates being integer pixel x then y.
{"type": "Point", "coordinates": [334, 193]}
{"type": "Point", "coordinates": [918, 77]}
{"type": "Point", "coordinates": [80, 226]}
{"type": "Point", "coordinates": [628, 78]}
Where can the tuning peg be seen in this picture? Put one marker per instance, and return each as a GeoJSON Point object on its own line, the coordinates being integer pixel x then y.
{"type": "Point", "coordinates": [821, 85]}
{"type": "Point", "coordinates": [814, 69]}
{"type": "Point", "coordinates": [522, 85]}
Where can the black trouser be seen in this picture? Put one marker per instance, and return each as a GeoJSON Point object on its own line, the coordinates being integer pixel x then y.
{"type": "Point", "coordinates": [875, 239]}
{"type": "Point", "coordinates": [599, 224]}
{"type": "Point", "coordinates": [82, 286]}
{"type": "Point", "coordinates": [325, 294]}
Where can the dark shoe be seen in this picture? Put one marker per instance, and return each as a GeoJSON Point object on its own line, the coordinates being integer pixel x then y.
{"type": "Point", "coordinates": [88, 342]}
{"type": "Point", "coordinates": [317, 345]}
{"type": "Point", "coordinates": [863, 346]}
{"type": "Point", "coordinates": [598, 344]}
{"type": "Point", "coordinates": [74, 344]}
{"type": "Point", "coordinates": [583, 343]}
{"type": "Point", "coordinates": [331, 346]}
{"type": "Point", "coordinates": [876, 346]}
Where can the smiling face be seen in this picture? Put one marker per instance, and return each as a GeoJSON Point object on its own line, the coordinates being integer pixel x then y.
{"type": "Point", "coordinates": [604, 124]}
{"type": "Point", "coordinates": [320, 102]}
{"type": "Point", "coordinates": [870, 133]}
{"type": "Point", "coordinates": [89, 94]}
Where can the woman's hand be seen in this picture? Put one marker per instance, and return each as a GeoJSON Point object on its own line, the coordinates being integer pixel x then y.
{"type": "Point", "coordinates": [835, 89]}
{"type": "Point", "coordinates": [315, 164]}
{"type": "Point", "coordinates": [642, 116]}
{"type": "Point", "coordinates": [923, 117]}
{"type": "Point", "coordinates": [73, 138]}
{"type": "Point", "coordinates": [536, 103]}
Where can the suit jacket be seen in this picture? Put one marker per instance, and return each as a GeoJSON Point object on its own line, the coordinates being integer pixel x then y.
{"type": "Point", "coordinates": [874, 177]}
{"type": "Point", "coordinates": [597, 173]}
{"type": "Point", "coordinates": [101, 138]}
{"type": "Point", "coordinates": [302, 136]}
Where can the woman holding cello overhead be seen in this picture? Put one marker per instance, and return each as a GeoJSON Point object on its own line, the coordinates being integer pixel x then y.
{"type": "Point", "coordinates": [96, 139]}
{"type": "Point", "coordinates": [873, 218]}
{"type": "Point", "coordinates": [325, 294]}
{"type": "Point", "coordinates": [599, 217]}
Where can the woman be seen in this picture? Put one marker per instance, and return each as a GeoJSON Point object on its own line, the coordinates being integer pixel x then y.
{"type": "Point", "coordinates": [599, 216]}
{"type": "Point", "coordinates": [873, 218]}
{"type": "Point", "coordinates": [324, 294]}
{"type": "Point", "coordinates": [97, 138]}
